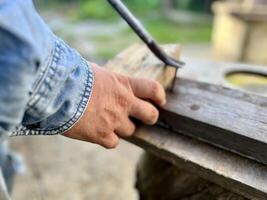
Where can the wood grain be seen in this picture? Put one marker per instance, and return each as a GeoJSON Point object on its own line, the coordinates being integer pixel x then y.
{"type": "Point", "coordinates": [228, 118]}
{"type": "Point", "coordinates": [233, 172]}
{"type": "Point", "coordinates": [138, 61]}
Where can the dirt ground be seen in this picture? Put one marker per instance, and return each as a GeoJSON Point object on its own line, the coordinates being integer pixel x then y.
{"type": "Point", "coordinates": [64, 169]}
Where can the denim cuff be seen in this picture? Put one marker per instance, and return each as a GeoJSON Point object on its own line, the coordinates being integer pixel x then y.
{"type": "Point", "coordinates": [59, 95]}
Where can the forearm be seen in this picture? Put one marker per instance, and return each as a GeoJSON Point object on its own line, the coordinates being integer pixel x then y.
{"type": "Point", "coordinates": [48, 87]}
{"type": "Point", "coordinates": [51, 86]}
{"type": "Point", "coordinates": [16, 78]}
{"type": "Point", "coordinates": [59, 95]}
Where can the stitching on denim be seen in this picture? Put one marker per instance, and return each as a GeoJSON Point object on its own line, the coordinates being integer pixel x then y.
{"type": "Point", "coordinates": [58, 51]}
{"type": "Point", "coordinates": [21, 130]}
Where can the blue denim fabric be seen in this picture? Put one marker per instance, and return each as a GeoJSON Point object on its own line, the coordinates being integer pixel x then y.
{"type": "Point", "coordinates": [44, 84]}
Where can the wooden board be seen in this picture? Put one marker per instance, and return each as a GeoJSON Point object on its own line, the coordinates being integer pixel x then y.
{"type": "Point", "coordinates": [233, 172]}
{"type": "Point", "coordinates": [228, 118]}
{"type": "Point", "coordinates": [138, 61]}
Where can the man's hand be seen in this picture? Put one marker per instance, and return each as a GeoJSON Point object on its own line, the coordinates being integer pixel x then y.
{"type": "Point", "coordinates": [115, 98]}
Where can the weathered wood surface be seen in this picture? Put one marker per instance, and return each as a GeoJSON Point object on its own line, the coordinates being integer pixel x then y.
{"type": "Point", "coordinates": [161, 180]}
{"type": "Point", "coordinates": [238, 174]}
{"type": "Point", "coordinates": [137, 61]}
{"type": "Point", "coordinates": [227, 118]}
{"type": "Point", "coordinates": [232, 119]}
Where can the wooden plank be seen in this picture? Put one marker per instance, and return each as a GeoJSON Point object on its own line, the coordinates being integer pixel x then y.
{"type": "Point", "coordinates": [228, 118]}
{"type": "Point", "coordinates": [138, 61]}
{"type": "Point", "coordinates": [233, 172]}
{"type": "Point", "coordinates": [224, 117]}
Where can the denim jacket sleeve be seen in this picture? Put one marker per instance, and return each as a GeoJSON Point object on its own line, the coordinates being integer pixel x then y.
{"type": "Point", "coordinates": [44, 84]}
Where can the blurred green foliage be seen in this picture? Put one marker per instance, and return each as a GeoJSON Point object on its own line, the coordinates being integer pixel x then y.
{"type": "Point", "coordinates": [150, 12]}
{"type": "Point", "coordinates": [100, 9]}
{"type": "Point", "coordinates": [163, 30]}
{"type": "Point", "coordinates": [167, 31]}
{"type": "Point", "coordinates": [95, 9]}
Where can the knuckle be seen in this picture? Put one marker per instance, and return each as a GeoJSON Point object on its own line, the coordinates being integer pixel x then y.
{"type": "Point", "coordinates": [107, 139]}
{"type": "Point", "coordinates": [103, 134]}
{"type": "Point", "coordinates": [155, 88]}
{"type": "Point", "coordinates": [113, 115]}
{"type": "Point", "coordinates": [121, 100]}
{"type": "Point", "coordinates": [133, 129]}
{"type": "Point", "coordinates": [154, 115]}
{"type": "Point", "coordinates": [130, 131]}
{"type": "Point", "coordinates": [111, 144]}
{"type": "Point", "coordinates": [124, 80]}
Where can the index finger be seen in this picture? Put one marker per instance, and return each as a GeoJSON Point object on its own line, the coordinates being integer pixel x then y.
{"type": "Point", "coordinates": [148, 89]}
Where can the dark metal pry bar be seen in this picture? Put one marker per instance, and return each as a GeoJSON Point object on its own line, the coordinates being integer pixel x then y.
{"type": "Point", "coordinates": [139, 29]}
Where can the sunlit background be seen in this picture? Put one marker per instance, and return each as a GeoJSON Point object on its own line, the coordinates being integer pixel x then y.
{"type": "Point", "coordinates": [94, 28]}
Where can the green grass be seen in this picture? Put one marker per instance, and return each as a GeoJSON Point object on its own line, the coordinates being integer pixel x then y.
{"type": "Point", "coordinates": [163, 30]}
{"type": "Point", "coordinates": [169, 32]}
{"type": "Point", "coordinates": [109, 46]}
{"type": "Point", "coordinates": [96, 10]}
{"type": "Point", "coordinates": [100, 9]}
